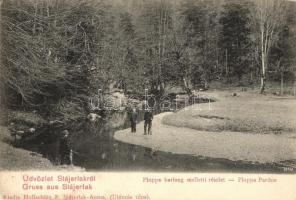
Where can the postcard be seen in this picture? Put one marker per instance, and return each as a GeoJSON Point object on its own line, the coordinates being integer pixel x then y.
{"type": "Point", "coordinates": [148, 100]}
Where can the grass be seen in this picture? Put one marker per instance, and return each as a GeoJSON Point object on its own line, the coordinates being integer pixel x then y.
{"type": "Point", "coordinates": [246, 112]}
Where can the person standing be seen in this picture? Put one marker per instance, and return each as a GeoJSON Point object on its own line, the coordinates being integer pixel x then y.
{"type": "Point", "coordinates": [133, 119]}
{"type": "Point", "coordinates": [148, 116]}
{"type": "Point", "coordinates": [65, 150]}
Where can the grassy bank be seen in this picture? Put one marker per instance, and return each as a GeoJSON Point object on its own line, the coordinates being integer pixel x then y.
{"type": "Point", "coordinates": [242, 112]}
{"type": "Point", "coordinates": [17, 159]}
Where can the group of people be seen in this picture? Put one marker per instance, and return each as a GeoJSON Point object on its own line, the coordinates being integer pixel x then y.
{"type": "Point", "coordinates": [148, 117]}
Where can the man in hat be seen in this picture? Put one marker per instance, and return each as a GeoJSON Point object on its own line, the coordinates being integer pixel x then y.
{"type": "Point", "coordinates": [133, 119]}
{"type": "Point", "coordinates": [148, 116]}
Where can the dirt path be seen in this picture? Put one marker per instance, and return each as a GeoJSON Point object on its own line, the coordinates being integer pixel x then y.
{"type": "Point", "coordinates": [262, 148]}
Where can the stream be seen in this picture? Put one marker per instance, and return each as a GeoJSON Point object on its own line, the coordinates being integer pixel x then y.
{"type": "Point", "coordinates": [95, 149]}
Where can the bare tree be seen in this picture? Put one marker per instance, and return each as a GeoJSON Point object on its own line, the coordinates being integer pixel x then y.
{"type": "Point", "coordinates": [268, 16]}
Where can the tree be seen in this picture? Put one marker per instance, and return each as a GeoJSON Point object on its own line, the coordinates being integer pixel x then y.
{"type": "Point", "coordinates": [32, 69]}
{"type": "Point", "coordinates": [268, 17]}
{"type": "Point", "coordinates": [199, 37]}
{"type": "Point", "coordinates": [59, 43]}
{"type": "Point", "coordinates": [153, 27]}
{"type": "Point", "coordinates": [128, 78]}
{"type": "Point", "coordinates": [280, 55]}
{"type": "Point", "coordinates": [235, 37]}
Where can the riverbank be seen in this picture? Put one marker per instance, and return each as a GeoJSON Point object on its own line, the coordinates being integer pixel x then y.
{"type": "Point", "coordinates": [17, 159]}
{"type": "Point", "coordinates": [247, 112]}
{"type": "Point", "coordinates": [225, 144]}
{"type": "Point", "coordinates": [174, 148]}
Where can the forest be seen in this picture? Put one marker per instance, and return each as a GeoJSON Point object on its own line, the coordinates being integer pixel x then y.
{"type": "Point", "coordinates": [56, 54]}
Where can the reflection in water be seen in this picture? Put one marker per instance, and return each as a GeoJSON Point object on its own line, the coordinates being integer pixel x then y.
{"type": "Point", "coordinates": [95, 149]}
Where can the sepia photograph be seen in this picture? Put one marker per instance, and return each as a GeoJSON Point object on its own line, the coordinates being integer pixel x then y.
{"type": "Point", "coordinates": [195, 86]}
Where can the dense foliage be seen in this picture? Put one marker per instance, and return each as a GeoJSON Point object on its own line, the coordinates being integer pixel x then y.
{"type": "Point", "coordinates": [58, 53]}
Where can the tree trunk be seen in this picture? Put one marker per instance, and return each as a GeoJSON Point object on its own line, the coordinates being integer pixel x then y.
{"type": "Point", "coordinates": [187, 87]}
{"type": "Point", "coordinates": [263, 75]}
{"type": "Point", "coordinates": [294, 86]}
{"type": "Point", "coordinates": [226, 67]}
{"type": "Point", "coordinates": [263, 82]}
{"type": "Point", "coordinates": [282, 83]}
{"type": "Point", "coordinates": [35, 17]}
{"type": "Point", "coordinates": [251, 78]}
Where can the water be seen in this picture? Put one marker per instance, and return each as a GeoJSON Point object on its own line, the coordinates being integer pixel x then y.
{"type": "Point", "coordinates": [95, 149]}
{"type": "Point", "coordinates": [99, 151]}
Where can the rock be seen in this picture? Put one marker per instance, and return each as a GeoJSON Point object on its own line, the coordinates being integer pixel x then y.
{"type": "Point", "coordinates": [17, 135]}
{"type": "Point", "coordinates": [20, 132]}
{"type": "Point", "coordinates": [32, 130]}
{"type": "Point", "coordinates": [55, 122]}
{"type": "Point", "coordinates": [93, 117]}
{"type": "Point", "coordinates": [35, 154]}
{"type": "Point", "coordinates": [277, 93]}
{"type": "Point", "coordinates": [116, 101]}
